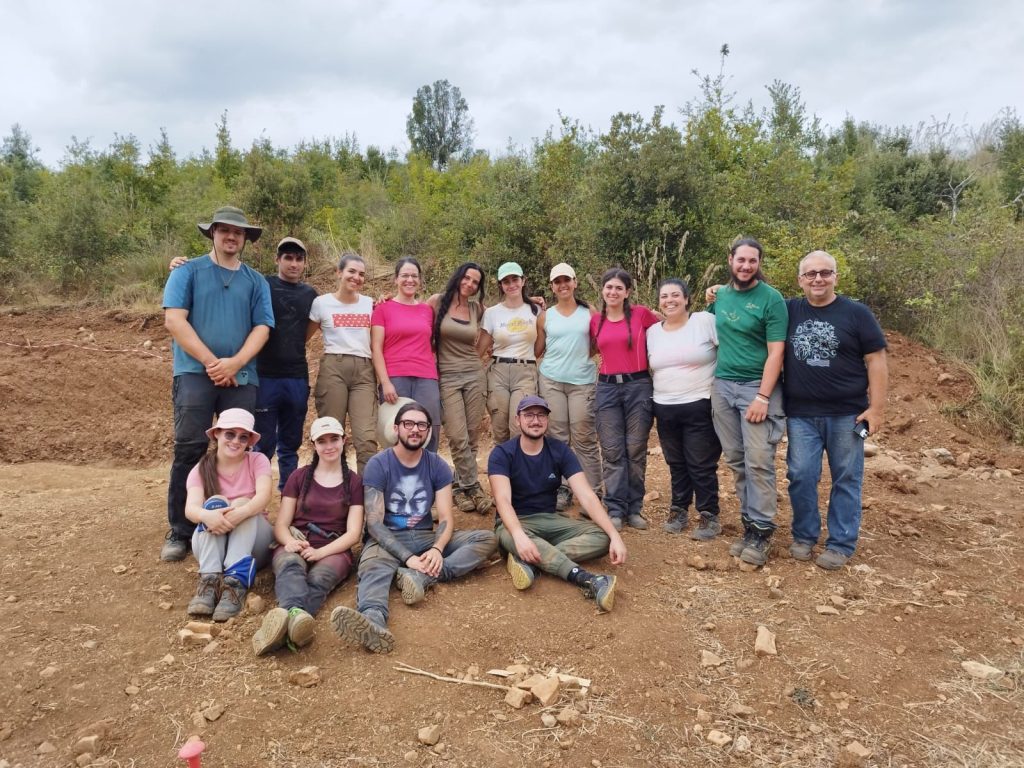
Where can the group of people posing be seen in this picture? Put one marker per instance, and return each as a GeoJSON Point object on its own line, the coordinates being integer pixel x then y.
{"type": "Point", "coordinates": [564, 427]}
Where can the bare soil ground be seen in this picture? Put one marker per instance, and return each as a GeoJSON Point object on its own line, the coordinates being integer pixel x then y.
{"type": "Point", "coordinates": [91, 616]}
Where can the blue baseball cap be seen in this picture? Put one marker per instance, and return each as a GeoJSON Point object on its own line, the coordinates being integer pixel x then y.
{"type": "Point", "coordinates": [531, 401]}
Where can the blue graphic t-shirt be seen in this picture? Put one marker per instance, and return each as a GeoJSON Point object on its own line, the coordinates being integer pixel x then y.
{"type": "Point", "coordinates": [408, 491]}
{"type": "Point", "coordinates": [824, 373]}
{"type": "Point", "coordinates": [534, 479]}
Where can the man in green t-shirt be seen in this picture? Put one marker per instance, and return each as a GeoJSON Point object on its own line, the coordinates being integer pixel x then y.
{"type": "Point", "coordinates": [751, 320]}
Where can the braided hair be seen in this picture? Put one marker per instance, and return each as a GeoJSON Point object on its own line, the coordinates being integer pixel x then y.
{"type": "Point", "coordinates": [300, 503]}
{"type": "Point", "coordinates": [450, 291]}
{"type": "Point", "coordinates": [207, 468]}
{"type": "Point", "coordinates": [622, 275]}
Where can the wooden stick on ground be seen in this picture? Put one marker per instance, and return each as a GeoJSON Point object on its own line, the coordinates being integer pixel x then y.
{"type": "Point", "coordinates": [479, 683]}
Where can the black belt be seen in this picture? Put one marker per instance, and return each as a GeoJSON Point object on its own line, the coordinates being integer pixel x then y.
{"type": "Point", "coordinates": [619, 378]}
{"type": "Point", "coordinates": [514, 360]}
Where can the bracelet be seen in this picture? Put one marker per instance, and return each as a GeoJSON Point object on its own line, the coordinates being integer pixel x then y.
{"type": "Point", "coordinates": [764, 396]}
{"type": "Point", "coordinates": [761, 398]}
{"type": "Point", "coordinates": [438, 551]}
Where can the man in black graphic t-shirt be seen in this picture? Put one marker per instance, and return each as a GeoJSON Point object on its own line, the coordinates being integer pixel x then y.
{"type": "Point", "coordinates": [835, 378]}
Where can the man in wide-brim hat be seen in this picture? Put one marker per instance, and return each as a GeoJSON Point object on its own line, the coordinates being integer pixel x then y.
{"type": "Point", "coordinates": [218, 312]}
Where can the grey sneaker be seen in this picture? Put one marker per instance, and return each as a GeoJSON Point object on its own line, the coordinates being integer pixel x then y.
{"type": "Point", "coordinates": [463, 501]}
{"type": "Point", "coordinates": [757, 551]}
{"type": "Point", "coordinates": [617, 523]}
{"type": "Point", "coordinates": [601, 589]}
{"type": "Point", "coordinates": [232, 598]}
{"type": "Point", "coordinates": [831, 560]}
{"type": "Point", "coordinates": [678, 519]}
{"type": "Point", "coordinates": [301, 627]}
{"type": "Point", "coordinates": [800, 550]}
{"type": "Point", "coordinates": [207, 595]}
{"type": "Point", "coordinates": [412, 584]}
{"type": "Point", "coordinates": [637, 521]}
{"type": "Point", "coordinates": [272, 632]}
{"type": "Point", "coordinates": [521, 573]}
{"type": "Point", "coordinates": [359, 630]}
{"type": "Point", "coordinates": [707, 528]}
{"type": "Point", "coordinates": [564, 499]}
{"type": "Point", "coordinates": [175, 548]}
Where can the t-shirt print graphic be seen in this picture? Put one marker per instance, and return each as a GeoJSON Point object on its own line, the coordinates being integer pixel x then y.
{"type": "Point", "coordinates": [815, 343]}
{"type": "Point", "coordinates": [350, 320]}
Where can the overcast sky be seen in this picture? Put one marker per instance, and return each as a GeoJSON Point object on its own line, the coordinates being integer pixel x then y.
{"type": "Point", "coordinates": [301, 69]}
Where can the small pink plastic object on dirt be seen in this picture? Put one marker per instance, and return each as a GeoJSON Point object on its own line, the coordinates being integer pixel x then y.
{"type": "Point", "coordinates": [192, 752]}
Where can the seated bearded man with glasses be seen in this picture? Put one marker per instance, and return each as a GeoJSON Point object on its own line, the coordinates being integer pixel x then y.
{"type": "Point", "coordinates": [400, 485]}
{"type": "Point", "coordinates": [525, 475]}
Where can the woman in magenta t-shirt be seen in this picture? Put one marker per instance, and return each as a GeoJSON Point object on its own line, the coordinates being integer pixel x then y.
{"type": "Point", "coordinates": [320, 520]}
{"type": "Point", "coordinates": [623, 400]}
{"type": "Point", "coordinates": [401, 329]}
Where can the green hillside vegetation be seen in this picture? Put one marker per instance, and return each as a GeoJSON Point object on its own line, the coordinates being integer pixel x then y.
{"type": "Point", "coordinates": [927, 223]}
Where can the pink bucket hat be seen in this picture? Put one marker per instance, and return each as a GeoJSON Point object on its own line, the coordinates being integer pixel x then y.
{"type": "Point", "coordinates": [236, 418]}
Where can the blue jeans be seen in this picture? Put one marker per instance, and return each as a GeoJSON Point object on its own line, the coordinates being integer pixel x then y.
{"type": "Point", "coordinates": [427, 393]}
{"type": "Point", "coordinates": [624, 419]}
{"type": "Point", "coordinates": [280, 415]}
{"type": "Point", "coordinates": [691, 449]}
{"type": "Point", "coordinates": [196, 401]}
{"type": "Point", "coordinates": [466, 552]}
{"type": "Point", "coordinates": [809, 437]}
{"type": "Point", "coordinates": [749, 449]}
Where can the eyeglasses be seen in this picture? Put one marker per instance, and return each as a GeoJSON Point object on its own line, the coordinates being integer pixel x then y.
{"type": "Point", "coordinates": [233, 437]}
{"type": "Point", "coordinates": [418, 426]}
{"type": "Point", "coordinates": [812, 274]}
{"type": "Point", "coordinates": [533, 416]}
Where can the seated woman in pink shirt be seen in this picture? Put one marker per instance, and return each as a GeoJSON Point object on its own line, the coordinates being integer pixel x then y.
{"type": "Point", "coordinates": [227, 496]}
{"type": "Point", "coordinates": [401, 329]}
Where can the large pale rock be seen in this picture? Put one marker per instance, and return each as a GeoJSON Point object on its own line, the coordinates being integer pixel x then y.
{"type": "Point", "coordinates": [981, 671]}
{"type": "Point", "coordinates": [764, 644]}
{"type": "Point", "coordinates": [429, 735]}
{"type": "Point", "coordinates": [718, 738]}
{"type": "Point", "coordinates": [709, 659]}
{"type": "Point", "coordinates": [546, 691]}
{"type": "Point", "coordinates": [517, 698]}
{"type": "Point", "coordinates": [306, 677]}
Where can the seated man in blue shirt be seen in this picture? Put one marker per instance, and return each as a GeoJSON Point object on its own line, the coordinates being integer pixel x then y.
{"type": "Point", "coordinates": [400, 485]}
{"type": "Point", "coordinates": [525, 474]}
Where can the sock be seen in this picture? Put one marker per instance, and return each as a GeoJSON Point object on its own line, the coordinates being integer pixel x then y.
{"type": "Point", "coordinates": [578, 576]}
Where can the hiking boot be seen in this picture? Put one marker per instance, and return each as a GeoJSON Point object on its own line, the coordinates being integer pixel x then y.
{"type": "Point", "coordinates": [175, 548]}
{"type": "Point", "coordinates": [521, 573]}
{"type": "Point", "coordinates": [678, 519]}
{"type": "Point", "coordinates": [757, 551]}
{"type": "Point", "coordinates": [272, 632]}
{"type": "Point", "coordinates": [617, 523]}
{"type": "Point", "coordinates": [831, 560]}
{"type": "Point", "coordinates": [564, 499]}
{"type": "Point", "coordinates": [360, 630]}
{"type": "Point", "coordinates": [207, 595]}
{"type": "Point", "coordinates": [484, 503]}
{"type": "Point", "coordinates": [601, 589]}
{"type": "Point", "coordinates": [637, 521]}
{"type": "Point", "coordinates": [463, 502]}
{"type": "Point", "coordinates": [232, 598]}
{"type": "Point", "coordinates": [412, 584]}
{"type": "Point", "coordinates": [301, 627]}
{"type": "Point", "coordinates": [800, 550]}
{"type": "Point", "coordinates": [707, 528]}
{"type": "Point", "coordinates": [737, 547]}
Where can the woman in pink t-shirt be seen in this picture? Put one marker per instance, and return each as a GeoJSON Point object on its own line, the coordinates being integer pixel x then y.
{"type": "Point", "coordinates": [623, 399]}
{"type": "Point", "coordinates": [401, 329]}
{"type": "Point", "coordinates": [228, 492]}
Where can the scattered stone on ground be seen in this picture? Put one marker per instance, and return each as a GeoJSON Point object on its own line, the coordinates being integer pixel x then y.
{"type": "Point", "coordinates": [306, 677]}
{"type": "Point", "coordinates": [517, 698]}
{"type": "Point", "coordinates": [549, 720]}
{"type": "Point", "coordinates": [764, 644]}
{"type": "Point", "coordinates": [429, 735]}
{"type": "Point", "coordinates": [718, 738]}
{"type": "Point", "coordinates": [709, 659]}
{"type": "Point", "coordinates": [981, 671]}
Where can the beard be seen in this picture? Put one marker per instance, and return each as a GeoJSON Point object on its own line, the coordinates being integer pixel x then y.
{"type": "Point", "coordinates": [407, 441]}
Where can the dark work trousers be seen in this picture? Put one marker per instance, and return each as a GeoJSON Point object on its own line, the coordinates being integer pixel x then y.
{"type": "Point", "coordinates": [691, 449]}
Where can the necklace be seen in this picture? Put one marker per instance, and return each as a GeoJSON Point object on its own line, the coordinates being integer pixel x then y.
{"type": "Point", "coordinates": [233, 272]}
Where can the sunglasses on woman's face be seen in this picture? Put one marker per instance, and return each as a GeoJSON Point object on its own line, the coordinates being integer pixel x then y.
{"type": "Point", "coordinates": [230, 436]}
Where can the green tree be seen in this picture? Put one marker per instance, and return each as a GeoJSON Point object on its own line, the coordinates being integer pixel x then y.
{"type": "Point", "coordinates": [439, 125]}
{"type": "Point", "coordinates": [228, 162]}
